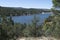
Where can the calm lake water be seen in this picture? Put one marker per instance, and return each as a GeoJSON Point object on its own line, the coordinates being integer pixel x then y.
{"type": "Point", "coordinates": [28, 19]}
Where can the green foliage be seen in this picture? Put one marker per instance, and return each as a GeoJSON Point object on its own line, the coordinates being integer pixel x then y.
{"type": "Point", "coordinates": [33, 30]}
{"type": "Point", "coordinates": [51, 26]}
{"type": "Point", "coordinates": [56, 3]}
{"type": "Point", "coordinates": [10, 30]}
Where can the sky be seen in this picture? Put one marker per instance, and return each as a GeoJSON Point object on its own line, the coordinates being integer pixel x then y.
{"type": "Point", "coordinates": [27, 3]}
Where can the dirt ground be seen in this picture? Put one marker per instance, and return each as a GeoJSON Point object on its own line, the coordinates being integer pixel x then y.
{"type": "Point", "coordinates": [38, 38]}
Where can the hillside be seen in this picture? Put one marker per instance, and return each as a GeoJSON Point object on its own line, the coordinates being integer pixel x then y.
{"type": "Point", "coordinates": [20, 11]}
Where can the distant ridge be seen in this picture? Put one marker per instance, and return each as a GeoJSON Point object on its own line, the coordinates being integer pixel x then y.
{"type": "Point", "coordinates": [24, 8]}
{"type": "Point", "coordinates": [21, 11]}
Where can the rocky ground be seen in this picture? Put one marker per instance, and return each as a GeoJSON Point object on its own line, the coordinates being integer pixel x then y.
{"type": "Point", "coordinates": [38, 38]}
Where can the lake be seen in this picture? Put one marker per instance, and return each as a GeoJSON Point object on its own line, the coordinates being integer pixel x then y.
{"type": "Point", "coordinates": [29, 18]}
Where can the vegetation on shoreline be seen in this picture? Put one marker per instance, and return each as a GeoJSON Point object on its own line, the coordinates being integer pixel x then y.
{"type": "Point", "coordinates": [10, 30]}
{"type": "Point", "coordinates": [20, 11]}
{"type": "Point", "coordinates": [52, 24]}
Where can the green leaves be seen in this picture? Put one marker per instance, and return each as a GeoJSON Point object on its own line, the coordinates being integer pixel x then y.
{"type": "Point", "coordinates": [56, 3]}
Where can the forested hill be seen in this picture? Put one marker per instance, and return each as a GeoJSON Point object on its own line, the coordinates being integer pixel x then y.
{"type": "Point", "coordinates": [20, 11]}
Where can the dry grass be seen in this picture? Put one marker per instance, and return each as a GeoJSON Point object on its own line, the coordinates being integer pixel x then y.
{"type": "Point", "coordinates": [38, 38]}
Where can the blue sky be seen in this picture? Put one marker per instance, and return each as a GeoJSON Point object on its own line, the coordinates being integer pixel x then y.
{"type": "Point", "coordinates": [27, 3]}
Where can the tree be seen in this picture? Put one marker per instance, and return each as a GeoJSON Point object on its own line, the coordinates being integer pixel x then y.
{"type": "Point", "coordinates": [30, 30]}
{"type": "Point", "coordinates": [33, 29]}
{"type": "Point", "coordinates": [51, 25]}
{"type": "Point", "coordinates": [56, 3]}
